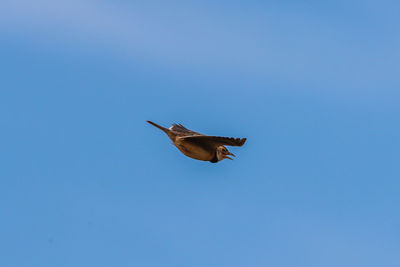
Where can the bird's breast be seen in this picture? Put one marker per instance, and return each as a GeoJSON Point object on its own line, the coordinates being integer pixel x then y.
{"type": "Point", "coordinates": [195, 151]}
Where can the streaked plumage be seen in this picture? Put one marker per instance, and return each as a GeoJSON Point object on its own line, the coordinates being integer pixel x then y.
{"type": "Point", "coordinates": [199, 146]}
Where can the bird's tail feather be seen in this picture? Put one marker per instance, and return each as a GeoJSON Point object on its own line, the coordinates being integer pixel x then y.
{"type": "Point", "coordinates": [171, 134]}
{"type": "Point", "coordinates": [159, 127]}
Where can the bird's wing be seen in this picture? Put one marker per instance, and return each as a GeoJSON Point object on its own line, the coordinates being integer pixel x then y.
{"type": "Point", "coordinates": [215, 140]}
{"type": "Point", "coordinates": [179, 128]}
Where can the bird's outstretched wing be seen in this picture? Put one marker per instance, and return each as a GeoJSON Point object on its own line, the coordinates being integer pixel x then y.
{"type": "Point", "coordinates": [182, 130]}
{"type": "Point", "coordinates": [215, 140]}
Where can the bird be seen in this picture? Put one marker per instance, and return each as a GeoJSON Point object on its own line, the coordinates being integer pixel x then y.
{"type": "Point", "coordinates": [199, 146]}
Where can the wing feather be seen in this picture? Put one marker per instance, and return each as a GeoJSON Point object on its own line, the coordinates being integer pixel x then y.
{"type": "Point", "coordinates": [179, 128]}
{"type": "Point", "coordinates": [215, 140]}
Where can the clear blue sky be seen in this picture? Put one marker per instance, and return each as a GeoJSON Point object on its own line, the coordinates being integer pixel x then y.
{"type": "Point", "coordinates": [313, 85]}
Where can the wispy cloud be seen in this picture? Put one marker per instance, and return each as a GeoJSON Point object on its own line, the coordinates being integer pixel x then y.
{"type": "Point", "coordinates": [288, 44]}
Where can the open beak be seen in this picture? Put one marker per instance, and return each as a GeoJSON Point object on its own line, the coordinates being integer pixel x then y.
{"type": "Point", "coordinates": [229, 153]}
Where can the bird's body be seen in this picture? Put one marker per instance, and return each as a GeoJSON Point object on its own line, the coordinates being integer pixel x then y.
{"type": "Point", "coordinates": [194, 151]}
{"type": "Point", "coordinates": [199, 146]}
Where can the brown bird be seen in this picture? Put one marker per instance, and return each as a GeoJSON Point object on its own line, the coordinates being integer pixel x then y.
{"type": "Point", "coordinates": [199, 146]}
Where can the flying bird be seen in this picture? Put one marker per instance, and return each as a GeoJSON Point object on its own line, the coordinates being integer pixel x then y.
{"type": "Point", "coordinates": [199, 146]}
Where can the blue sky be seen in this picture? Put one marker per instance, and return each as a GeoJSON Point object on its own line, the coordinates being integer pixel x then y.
{"type": "Point", "coordinates": [313, 85]}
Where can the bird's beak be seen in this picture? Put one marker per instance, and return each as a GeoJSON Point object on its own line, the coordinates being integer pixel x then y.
{"type": "Point", "coordinates": [229, 153]}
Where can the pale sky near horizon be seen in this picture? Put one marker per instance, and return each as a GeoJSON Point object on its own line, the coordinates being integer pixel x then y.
{"type": "Point", "coordinates": [314, 86]}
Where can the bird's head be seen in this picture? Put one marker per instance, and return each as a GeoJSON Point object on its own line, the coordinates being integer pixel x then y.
{"type": "Point", "coordinates": [223, 153]}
